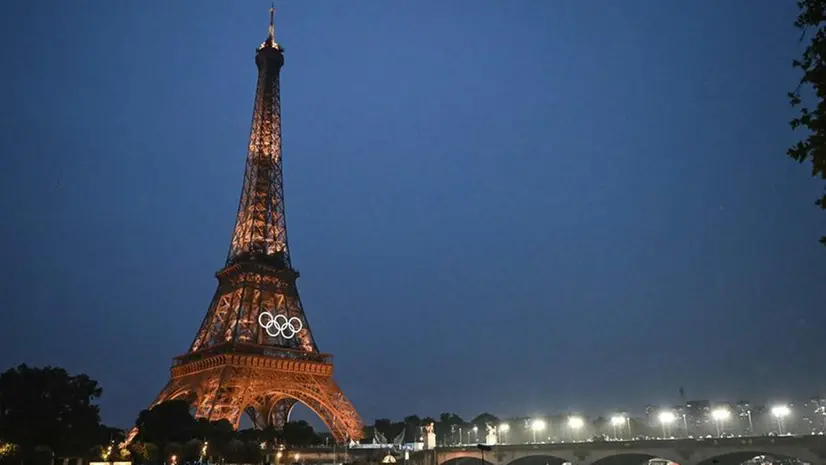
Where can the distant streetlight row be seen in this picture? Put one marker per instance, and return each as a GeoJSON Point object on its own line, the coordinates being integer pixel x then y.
{"type": "Point", "coordinates": [575, 423]}
{"type": "Point", "coordinates": [720, 416]}
{"type": "Point", "coordinates": [666, 418]}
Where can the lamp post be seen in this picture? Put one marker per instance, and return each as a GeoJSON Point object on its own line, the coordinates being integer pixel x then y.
{"type": "Point", "coordinates": [720, 415]}
{"type": "Point", "coordinates": [575, 423]}
{"type": "Point", "coordinates": [666, 418]}
{"type": "Point", "coordinates": [616, 422]}
{"type": "Point", "coordinates": [780, 412]}
{"type": "Point", "coordinates": [503, 432]}
{"type": "Point", "coordinates": [537, 425]}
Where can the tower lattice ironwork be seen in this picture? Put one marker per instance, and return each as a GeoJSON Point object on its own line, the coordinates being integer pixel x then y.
{"type": "Point", "coordinates": [235, 365]}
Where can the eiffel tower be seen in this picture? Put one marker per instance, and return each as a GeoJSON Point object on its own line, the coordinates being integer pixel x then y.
{"type": "Point", "coordinates": [254, 352]}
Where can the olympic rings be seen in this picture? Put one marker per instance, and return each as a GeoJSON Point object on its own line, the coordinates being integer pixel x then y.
{"type": "Point", "coordinates": [280, 325]}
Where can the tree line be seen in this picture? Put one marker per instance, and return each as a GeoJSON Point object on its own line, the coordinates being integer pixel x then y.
{"type": "Point", "coordinates": [46, 413]}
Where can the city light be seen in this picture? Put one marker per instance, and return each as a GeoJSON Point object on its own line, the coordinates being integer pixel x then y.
{"type": "Point", "coordinates": [720, 414]}
{"type": "Point", "coordinates": [694, 421]}
{"type": "Point", "coordinates": [666, 417]}
{"type": "Point", "coordinates": [537, 426]}
{"type": "Point", "coordinates": [617, 421]}
{"type": "Point", "coordinates": [503, 432]}
{"type": "Point", "coordinates": [780, 411]}
{"type": "Point", "coordinates": [107, 453]}
{"type": "Point", "coordinates": [575, 422]}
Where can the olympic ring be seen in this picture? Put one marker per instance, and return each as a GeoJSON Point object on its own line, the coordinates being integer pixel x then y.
{"type": "Point", "coordinates": [280, 325]}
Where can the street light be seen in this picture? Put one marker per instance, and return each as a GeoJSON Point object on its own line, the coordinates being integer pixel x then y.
{"type": "Point", "coordinates": [719, 415]}
{"type": "Point", "coordinates": [537, 425]}
{"type": "Point", "coordinates": [475, 433]}
{"type": "Point", "coordinates": [575, 423]}
{"type": "Point", "coordinates": [482, 449]}
{"type": "Point", "coordinates": [617, 421]}
{"type": "Point", "coordinates": [503, 432]}
{"type": "Point", "coordinates": [666, 418]}
{"type": "Point", "coordinates": [780, 412]}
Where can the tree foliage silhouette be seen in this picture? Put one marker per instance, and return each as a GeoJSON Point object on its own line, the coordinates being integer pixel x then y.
{"type": "Point", "coordinates": [484, 419]}
{"type": "Point", "coordinates": [810, 21]}
{"type": "Point", "coordinates": [299, 433]}
{"type": "Point", "coordinates": [48, 407]}
{"type": "Point", "coordinates": [172, 429]}
{"type": "Point", "coordinates": [412, 428]}
{"type": "Point", "coordinates": [42, 455]}
{"type": "Point", "coordinates": [166, 422]}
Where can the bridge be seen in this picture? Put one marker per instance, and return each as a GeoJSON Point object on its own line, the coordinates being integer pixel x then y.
{"type": "Point", "coordinates": [719, 451]}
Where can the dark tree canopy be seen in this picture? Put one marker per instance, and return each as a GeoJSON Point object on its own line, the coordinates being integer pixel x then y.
{"type": "Point", "coordinates": [170, 429]}
{"type": "Point", "coordinates": [412, 420]}
{"type": "Point", "coordinates": [166, 422]}
{"type": "Point", "coordinates": [485, 419]}
{"type": "Point", "coordinates": [49, 407]}
{"type": "Point", "coordinates": [811, 118]}
{"type": "Point", "coordinates": [299, 433]}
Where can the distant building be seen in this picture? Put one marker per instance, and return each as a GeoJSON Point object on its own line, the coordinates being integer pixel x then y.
{"type": "Point", "coordinates": [697, 415]}
{"type": "Point", "coordinates": [745, 417]}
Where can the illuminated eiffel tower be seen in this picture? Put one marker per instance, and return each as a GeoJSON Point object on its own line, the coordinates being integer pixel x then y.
{"type": "Point", "coordinates": [254, 352]}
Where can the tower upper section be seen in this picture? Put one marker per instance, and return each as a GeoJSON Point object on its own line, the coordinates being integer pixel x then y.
{"type": "Point", "coordinates": [260, 231]}
{"type": "Point", "coordinates": [270, 50]}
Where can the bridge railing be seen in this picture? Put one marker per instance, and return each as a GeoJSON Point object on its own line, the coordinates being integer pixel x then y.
{"type": "Point", "coordinates": [656, 442]}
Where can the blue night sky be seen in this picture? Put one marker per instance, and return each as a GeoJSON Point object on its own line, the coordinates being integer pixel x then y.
{"type": "Point", "coordinates": [519, 207]}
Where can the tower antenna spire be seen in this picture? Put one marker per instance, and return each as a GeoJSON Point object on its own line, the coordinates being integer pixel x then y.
{"type": "Point", "coordinates": [271, 36]}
